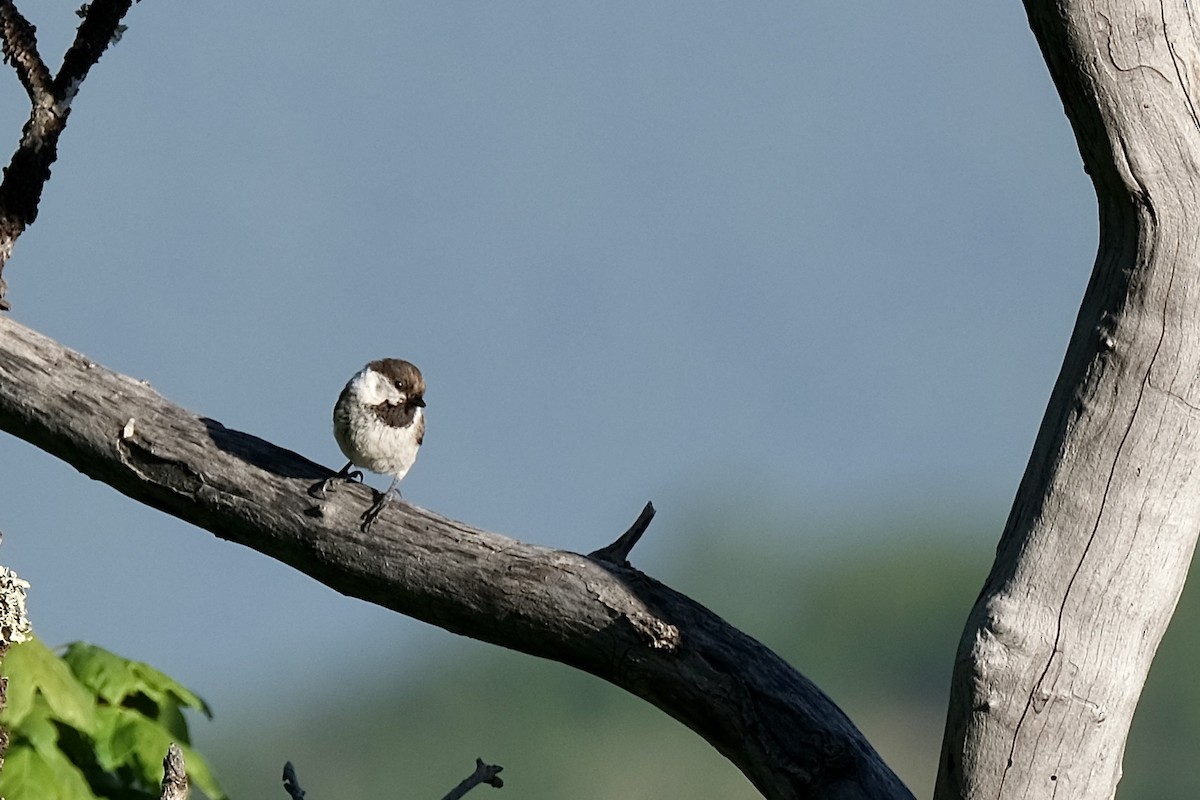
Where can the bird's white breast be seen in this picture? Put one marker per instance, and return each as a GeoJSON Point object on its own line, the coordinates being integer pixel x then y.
{"type": "Point", "coordinates": [373, 445]}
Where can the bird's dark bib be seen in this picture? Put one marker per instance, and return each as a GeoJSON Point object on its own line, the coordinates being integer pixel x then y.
{"type": "Point", "coordinates": [395, 416]}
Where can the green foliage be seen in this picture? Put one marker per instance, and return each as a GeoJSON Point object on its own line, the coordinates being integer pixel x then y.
{"type": "Point", "coordinates": [92, 725]}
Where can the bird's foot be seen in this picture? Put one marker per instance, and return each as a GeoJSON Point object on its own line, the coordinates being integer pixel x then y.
{"type": "Point", "coordinates": [371, 514]}
{"type": "Point", "coordinates": [320, 488]}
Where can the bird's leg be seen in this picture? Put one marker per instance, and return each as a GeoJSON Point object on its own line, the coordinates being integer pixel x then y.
{"type": "Point", "coordinates": [381, 500]}
{"type": "Point", "coordinates": [319, 488]}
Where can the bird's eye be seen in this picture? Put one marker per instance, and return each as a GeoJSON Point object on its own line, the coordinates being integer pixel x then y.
{"type": "Point", "coordinates": [400, 385]}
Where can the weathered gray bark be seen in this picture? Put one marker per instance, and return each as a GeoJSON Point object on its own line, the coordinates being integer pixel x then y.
{"type": "Point", "coordinates": [175, 779]}
{"type": "Point", "coordinates": [787, 737]}
{"type": "Point", "coordinates": [1098, 542]}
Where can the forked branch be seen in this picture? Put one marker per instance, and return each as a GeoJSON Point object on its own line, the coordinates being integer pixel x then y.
{"type": "Point", "coordinates": [50, 105]}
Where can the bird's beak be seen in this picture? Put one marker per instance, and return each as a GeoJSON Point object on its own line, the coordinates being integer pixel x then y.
{"type": "Point", "coordinates": [419, 402]}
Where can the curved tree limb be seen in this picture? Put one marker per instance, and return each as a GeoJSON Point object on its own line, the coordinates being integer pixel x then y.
{"type": "Point", "coordinates": [1100, 537]}
{"type": "Point", "coordinates": [610, 620]}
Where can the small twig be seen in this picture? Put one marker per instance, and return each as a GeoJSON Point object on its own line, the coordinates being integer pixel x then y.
{"type": "Point", "coordinates": [484, 773]}
{"type": "Point", "coordinates": [618, 551]}
{"type": "Point", "coordinates": [290, 783]}
{"type": "Point", "coordinates": [175, 779]}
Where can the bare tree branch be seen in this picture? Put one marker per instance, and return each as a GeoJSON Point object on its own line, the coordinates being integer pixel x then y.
{"type": "Point", "coordinates": [291, 784]}
{"type": "Point", "coordinates": [19, 41]}
{"type": "Point", "coordinates": [50, 105]}
{"type": "Point", "coordinates": [788, 738]}
{"type": "Point", "coordinates": [484, 773]}
{"type": "Point", "coordinates": [100, 28]}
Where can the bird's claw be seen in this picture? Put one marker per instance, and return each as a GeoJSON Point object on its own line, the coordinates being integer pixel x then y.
{"type": "Point", "coordinates": [371, 514]}
{"type": "Point", "coordinates": [320, 488]}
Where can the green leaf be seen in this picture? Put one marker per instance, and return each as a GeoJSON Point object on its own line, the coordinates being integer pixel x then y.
{"type": "Point", "coordinates": [31, 774]}
{"type": "Point", "coordinates": [107, 674]}
{"type": "Point", "coordinates": [116, 679]}
{"type": "Point", "coordinates": [170, 718]}
{"type": "Point", "coordinates": [111, 751]}
{"type": "Point", "coordinates": [127, 739]}
{"type": "Point", "coordinates": [134, 741]}
{"type": "Point", "coordinates": [164, 688]}
{"type": "Point", "coordinates": [142, 744]}
{"type": "Point", "coordinates": [38, 728]}
{"type": "Point", "coordinates": [32, 668]}
{"type": "Point", "coordinates": [22, 687]}
{"type": "Point", "coordinates": [119, 716]}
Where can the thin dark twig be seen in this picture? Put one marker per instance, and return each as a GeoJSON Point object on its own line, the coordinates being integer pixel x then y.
{"type": "Point", "coordinates": [484, 773]}
{"type": "Point", "coordinates": [618, 551]}
{"type": "Point", "coordinates": [291, 783]}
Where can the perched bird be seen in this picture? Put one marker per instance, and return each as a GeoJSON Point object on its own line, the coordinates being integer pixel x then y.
{"type": "Point", "coordinates": [379, 424]}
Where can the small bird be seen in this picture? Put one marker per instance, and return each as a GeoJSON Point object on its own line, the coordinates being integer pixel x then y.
{"type": "Point", "coordinates": [379, 424]}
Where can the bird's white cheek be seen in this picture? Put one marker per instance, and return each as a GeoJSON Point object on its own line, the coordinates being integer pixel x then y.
{"type": "Point", "coordinates": [371, 388]}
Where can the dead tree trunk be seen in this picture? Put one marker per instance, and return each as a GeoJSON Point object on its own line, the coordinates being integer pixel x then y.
{"type": "Point", "coordinates": [1101, 533]}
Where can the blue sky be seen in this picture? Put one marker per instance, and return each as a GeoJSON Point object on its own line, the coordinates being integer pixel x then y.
{"type": "Point", "coordinates": [826, 256]}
